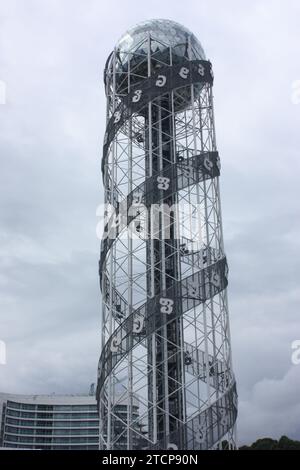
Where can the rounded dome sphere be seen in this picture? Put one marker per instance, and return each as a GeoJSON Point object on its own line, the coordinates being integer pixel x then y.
{"type": "Point", "coordinates": [169, 32]}
{"type": "Point", "coordinates": [170, 44]}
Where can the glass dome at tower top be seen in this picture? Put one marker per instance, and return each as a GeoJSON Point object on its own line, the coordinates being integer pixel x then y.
{"type": "Point", "coordinates": [168, 32]}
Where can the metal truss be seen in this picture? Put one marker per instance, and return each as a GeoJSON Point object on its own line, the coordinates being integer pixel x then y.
{"type": "Point", "coordinates": [166, 356]}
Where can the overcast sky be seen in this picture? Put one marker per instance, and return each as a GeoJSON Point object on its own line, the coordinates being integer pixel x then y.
{"type": "Point", "coordinates": [52, 54]}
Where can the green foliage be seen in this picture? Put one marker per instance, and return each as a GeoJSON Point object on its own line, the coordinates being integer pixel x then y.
{"type": "Point", "coordinates": [267, 443]}
{"type": "Point", "coordinates": [286, 443]}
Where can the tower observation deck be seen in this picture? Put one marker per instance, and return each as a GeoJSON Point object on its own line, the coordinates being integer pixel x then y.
{"type": "Point", "coordinates": [163, 270]}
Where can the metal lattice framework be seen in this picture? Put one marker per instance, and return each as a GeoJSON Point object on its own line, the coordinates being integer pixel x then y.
{"type": "Point", "coordinates": [166, 354]}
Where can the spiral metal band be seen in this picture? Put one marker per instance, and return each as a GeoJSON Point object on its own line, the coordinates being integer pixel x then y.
{"type": "Point", "coordinates": [161, 82]}
{"type": "Point", "coordinates": [206, 275]}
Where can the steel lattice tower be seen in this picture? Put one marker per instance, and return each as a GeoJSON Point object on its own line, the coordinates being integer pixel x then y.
{"type": "Point", "coordinates": [166, 356]}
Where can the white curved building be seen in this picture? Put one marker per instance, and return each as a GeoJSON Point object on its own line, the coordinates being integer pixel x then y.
{"type": "Point", "coordinates": [49, 422]}
{"type": "Point", "coordinates": [57, 422]}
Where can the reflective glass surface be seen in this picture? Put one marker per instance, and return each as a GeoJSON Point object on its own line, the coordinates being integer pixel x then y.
{"type": "Point", "coordinates": [169, 32]}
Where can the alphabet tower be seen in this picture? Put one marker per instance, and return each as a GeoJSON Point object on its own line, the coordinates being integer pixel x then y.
{"type": "Point", "coordinates": [165, 378]}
